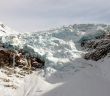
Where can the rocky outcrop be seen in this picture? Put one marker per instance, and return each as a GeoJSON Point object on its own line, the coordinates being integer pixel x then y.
{"type": "Point", "coordinates": [17, 59]}
{"type": "Point", "coordinates": [98, 53]}
{"type": "Point", "coordinates": [100, 48]}
{"type": "Point", "coordinates": [93, 44]}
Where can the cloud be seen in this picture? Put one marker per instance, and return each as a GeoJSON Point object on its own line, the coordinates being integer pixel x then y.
{"type": "Point", "coordinates": [30, 15]}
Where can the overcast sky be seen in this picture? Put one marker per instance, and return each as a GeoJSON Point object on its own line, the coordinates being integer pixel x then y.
{"type": "Point", "coordinates": [33, 15]}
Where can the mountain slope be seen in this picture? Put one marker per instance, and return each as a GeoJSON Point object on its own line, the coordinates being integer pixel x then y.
{"type": "Point", "coordinates": [66, 73]}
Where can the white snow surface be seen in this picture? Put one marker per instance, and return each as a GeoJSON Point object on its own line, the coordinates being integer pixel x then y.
{"type": "Point", "coordinates": [66, 73]}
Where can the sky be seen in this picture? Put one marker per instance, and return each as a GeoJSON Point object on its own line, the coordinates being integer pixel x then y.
{"type": "Point", "coordinates": [34, 15]}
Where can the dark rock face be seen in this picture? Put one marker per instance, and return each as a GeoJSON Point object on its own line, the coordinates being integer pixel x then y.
{"type": "Point", "coordinates": [37, 63]}
{"type": "Point", "coordinates": [87, 38]}
{"type": "Point", "coordinates": [100, 48]}
{"type": "Point", "coordinates": [98, 53]}
{"type": "Point", "coordinates": [5, 58]}
{"type": "Point", "coordinates": [93, 44]}
{"type": "Point", "coordinates": [13, 59]}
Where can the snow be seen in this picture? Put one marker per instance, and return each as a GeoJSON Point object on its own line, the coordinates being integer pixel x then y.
{"type": "Point", "coordinates": [84, 83]}
{"type": "Point", "coordinates": [88, 81]}
{"type": "Point", "coordinates": [66, 73]}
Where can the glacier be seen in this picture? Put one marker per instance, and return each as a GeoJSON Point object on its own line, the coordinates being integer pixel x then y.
{"type": "Point", "coordinates": [58, 47]}
{"type": "Point", "coordinates": [64, 66]}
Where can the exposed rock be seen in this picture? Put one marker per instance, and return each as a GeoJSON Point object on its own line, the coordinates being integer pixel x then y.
{"type": "Point", "coordinates": [6, 58]}
{"type": "Point", "coordinates": [14, 59]}
{"type": "Point", "coordinates": [101, 49]}
{"type": "Point", "coordinates": [92, 44]}
{"type": "Point", "coordinates": [37, 63]}
{"type": "Point", "coordinates": [107, 36]}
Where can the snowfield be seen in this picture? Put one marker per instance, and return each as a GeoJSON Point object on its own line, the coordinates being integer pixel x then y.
{"type": "Point", "coordinates": [66, 73]}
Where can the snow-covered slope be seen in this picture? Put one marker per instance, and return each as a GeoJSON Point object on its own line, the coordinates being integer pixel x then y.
{"type": "Point", "coordinates": [66, 73]}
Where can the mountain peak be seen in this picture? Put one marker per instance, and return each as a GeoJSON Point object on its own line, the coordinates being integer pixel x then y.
{"type": "Point", "coordinates": [5, 30]}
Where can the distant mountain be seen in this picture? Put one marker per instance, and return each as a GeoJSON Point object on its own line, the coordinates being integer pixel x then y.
{"type": "Point", "coordinates": [5, 30]}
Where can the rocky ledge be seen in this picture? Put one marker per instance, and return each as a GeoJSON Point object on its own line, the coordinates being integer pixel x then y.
{"type": "Point", "coordinates": [97, 48]}
{"type": "Point", "coordinates": [18, 58]}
